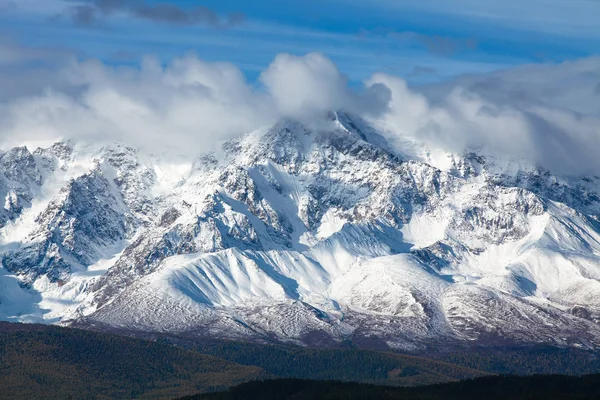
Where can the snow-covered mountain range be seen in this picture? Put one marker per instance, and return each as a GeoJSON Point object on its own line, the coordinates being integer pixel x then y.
{"type": "Point", "coordinates": [306, 234]}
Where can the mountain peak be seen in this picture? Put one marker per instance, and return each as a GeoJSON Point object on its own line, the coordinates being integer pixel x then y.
{"type": "Point", "coordinates": [302, 228]}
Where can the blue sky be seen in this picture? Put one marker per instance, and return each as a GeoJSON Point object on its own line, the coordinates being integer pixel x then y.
{"type": "Point", "coordinates": [422, 41]}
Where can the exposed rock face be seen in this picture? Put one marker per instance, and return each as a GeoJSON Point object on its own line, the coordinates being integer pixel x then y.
{"type": "Point", "coordinates": [19, 179]}
{"type": "Point", "coordinates": [84, 218]}
{"type": "Point", "coordinates": [295, 233]}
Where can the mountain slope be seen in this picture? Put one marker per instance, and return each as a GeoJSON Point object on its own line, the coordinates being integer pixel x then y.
{"type": "Point", "coordinates": [307, 234]}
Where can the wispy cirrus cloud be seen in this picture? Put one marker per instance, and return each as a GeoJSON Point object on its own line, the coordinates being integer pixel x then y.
{"type": "Point", "coordinates": [454, 37]}
{"type": "Point", "coordinates": [87, 14]}
{"type": "Point", "coordinates": [12, 53]}
{"type": "Point", "coordinates": [578, 18]}
{"type": "Point", "coordinates": [434, 43]}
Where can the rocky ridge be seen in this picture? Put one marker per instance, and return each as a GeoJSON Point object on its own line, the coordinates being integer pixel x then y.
{"type": "Point", "coordinates": [315, 235]}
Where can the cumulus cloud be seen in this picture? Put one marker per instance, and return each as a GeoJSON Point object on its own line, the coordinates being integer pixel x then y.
{"type": "Point", "coordinates": [304, 86]}
{"type": "Point", "coordinates": [548, 115]}
{"type": "Point", "coordinates": [568, 85]}
{"type": "Point", "coordinates": [86, 14]}
{"type": "Point", "coordinates": [184, 105]}
{"type": "Point", "coordinates": [187, 106]}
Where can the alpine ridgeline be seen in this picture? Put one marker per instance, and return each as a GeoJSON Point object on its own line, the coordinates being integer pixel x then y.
{"type": "Point", "coordinates": [305, 235]}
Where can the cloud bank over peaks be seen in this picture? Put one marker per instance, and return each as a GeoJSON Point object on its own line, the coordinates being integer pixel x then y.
{"type": "Point", "coordinates": [181, 105]}
{"type": "Point", "coordinates": [546, 115]}
{"type": "Point", "coordinates": [187, 106]}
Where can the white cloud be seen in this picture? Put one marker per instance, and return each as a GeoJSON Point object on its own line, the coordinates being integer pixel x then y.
{"type": "Point", "coordinates": [189, 105]}
{"type": "Point", "coordinates": [546, 114]}
{"type": "Point", "coordinates": [303, 86]}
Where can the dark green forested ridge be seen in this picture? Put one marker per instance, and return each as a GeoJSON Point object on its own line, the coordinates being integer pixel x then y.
{"type": "Point", "coordinates": [39, 361]}
{"type": "Point", "coordinates": [370, 366]}
{"type": "Point", "coordinates": [527, 360]}
{"type": "Point", "coordinates": [542, 387]}
{"type": "Point", "coordinates": [353, 365]}
{"type": "Point", "coordinates": [45, 362]}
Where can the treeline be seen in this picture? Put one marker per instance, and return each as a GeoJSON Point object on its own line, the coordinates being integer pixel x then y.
{"type": "Point", "coordinates": [549, 387]}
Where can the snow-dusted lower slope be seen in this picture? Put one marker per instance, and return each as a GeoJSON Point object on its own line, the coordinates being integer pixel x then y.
{"type": "Point", "coordinates": [308, 235]}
